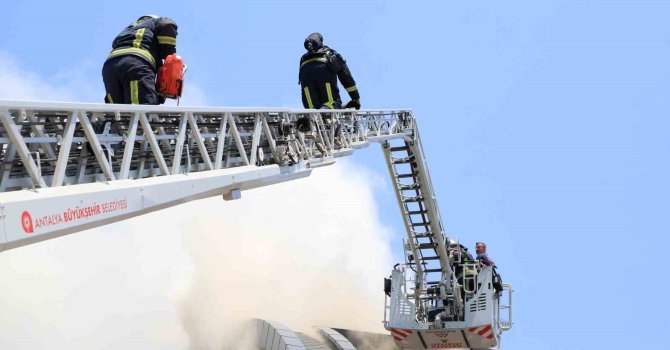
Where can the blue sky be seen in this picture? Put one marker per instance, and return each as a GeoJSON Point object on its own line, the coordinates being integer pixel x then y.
{"type": "Point", "coordinates": [545, 125]}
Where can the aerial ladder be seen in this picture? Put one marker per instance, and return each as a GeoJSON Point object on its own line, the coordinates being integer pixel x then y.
{"type": "Point", "coordinates": [68, 167]}
{"type": "Point", "coordinates": [427, 306]}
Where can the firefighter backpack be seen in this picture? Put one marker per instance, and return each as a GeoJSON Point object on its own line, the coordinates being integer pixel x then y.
{"type": "Point", "coordinates": [171, 77]}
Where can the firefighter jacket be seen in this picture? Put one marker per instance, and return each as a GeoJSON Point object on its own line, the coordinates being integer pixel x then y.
{"type": "Point", "coordinates": [151, 38]}
{"type": "Point", "coordinates": [335, 64]}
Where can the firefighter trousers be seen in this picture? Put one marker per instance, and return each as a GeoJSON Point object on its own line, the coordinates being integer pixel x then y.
{"type": "Point", "coordinates": [130, 80]}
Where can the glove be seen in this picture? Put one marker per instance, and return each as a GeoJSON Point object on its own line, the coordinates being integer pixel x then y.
{"type": "Point", "coordinates": [353, 104]}
{"type": "Point", "coordinates": [161, 99]}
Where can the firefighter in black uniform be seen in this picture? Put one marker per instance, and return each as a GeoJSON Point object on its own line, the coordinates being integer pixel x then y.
{"type": "Point", "coordinates": [138, 51]}
{"type": "Point", "coordinates": [320, 68]}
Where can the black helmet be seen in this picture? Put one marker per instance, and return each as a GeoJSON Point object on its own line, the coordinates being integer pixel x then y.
{"type": "Point", "coordinates": [313, 42]}
{"type": "Point", "coordinates": [145, 17]}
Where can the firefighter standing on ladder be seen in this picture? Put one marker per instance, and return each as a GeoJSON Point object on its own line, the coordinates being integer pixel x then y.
{"type": "Point", "coordinates": [129, 73]}
{"type": "Point", "coordinates": [320, 68]}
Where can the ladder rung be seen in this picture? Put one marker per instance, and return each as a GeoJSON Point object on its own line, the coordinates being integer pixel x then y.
{"type": "Point", "coordinates": [426, 246]}
{"type": "Point", "coordinates": [417, 224]}
{"type": "Point", "coordinates": [432, 270]}
{"type": "Point", "coordinates": [431, 258]}
{"type": "Point", "coordinates": [409, 187]}
{"type": "Point", "coordinates": [412, 199]}
{"type": "Point", "coordinates": [417, 212]}
{"type": "Point", "coordinates": [404, 176]}
{"type": "Point", "coordinates": [399, 148]}
{"type": "Point", "coordinates": [423, 235]}
{"type": "Point", "coordinates": [403, 160]}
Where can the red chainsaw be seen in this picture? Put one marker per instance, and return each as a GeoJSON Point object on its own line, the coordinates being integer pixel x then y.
{"type": "Point", "coordinates": [170, 82]}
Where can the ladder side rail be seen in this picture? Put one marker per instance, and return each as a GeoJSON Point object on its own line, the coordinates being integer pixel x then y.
{"type": "Point", "coordinates": [430, 202]}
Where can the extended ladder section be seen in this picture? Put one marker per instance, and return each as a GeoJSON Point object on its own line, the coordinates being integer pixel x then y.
{"type": "Point", "coordinates": [428, 306]}
{"type": "Point", "coordinates": [66, 167]}
{"type": "Point", "coordinates": [426, 241]}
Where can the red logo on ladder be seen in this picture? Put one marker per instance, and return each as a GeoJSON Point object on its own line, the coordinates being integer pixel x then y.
{"type": "Point", "coordinates": [27, 222]}
{"type": "Point", "coordinates": [400, 334]}
{"type": "Point", "coordinates": [485, 331]}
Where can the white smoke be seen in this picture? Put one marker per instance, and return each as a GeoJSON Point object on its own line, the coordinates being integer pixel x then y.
{"type": "Point", "coordinates": [308, 252]}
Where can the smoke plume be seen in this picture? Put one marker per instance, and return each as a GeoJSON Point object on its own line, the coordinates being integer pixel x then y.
{"type": "Point", "coordinates": [307, 253]}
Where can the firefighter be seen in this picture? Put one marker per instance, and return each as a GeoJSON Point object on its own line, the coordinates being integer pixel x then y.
{"type": "Point", "coordinates": [320, 68]}
{"type": "Point", "coordinates": [463, 264]}
{"type": "Point", "coordinates": [129, 73]}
